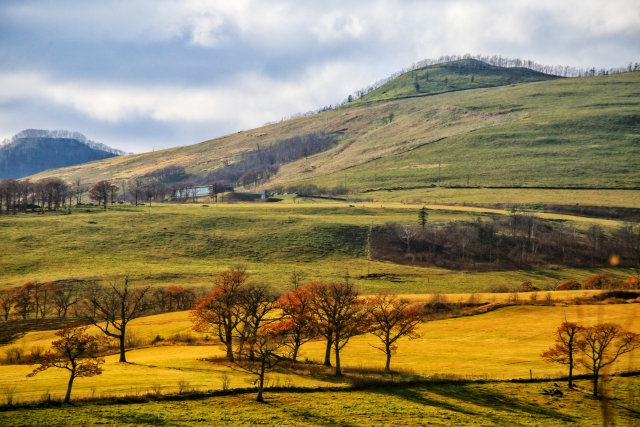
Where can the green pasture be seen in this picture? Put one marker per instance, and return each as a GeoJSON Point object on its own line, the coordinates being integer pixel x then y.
{"type": "Point", "coordinates": [463, 404]}
{"type": "Point", "coordinates": [565, 133]}
{"type": "Point", "coordinates": [189, 244]}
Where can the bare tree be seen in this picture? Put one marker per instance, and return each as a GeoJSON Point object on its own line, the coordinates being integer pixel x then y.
{"type": "Point", "coordinates": [391, 319]}
{"type": "Point", "coordinates": [603, 344]}
{"type": "Point", "coordinates": [135, 187]}
{"type": "Point", "coordinates": [111, 308]}
{"type": "Point", "coordinates": [406, 234]}
{"type": "Point", "coordinates": [338, 306]}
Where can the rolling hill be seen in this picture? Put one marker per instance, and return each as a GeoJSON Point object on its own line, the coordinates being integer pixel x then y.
{"type": "Point", "coordinates": [33, 151]}
{"type": "Point", "coordinates": [505, 127]}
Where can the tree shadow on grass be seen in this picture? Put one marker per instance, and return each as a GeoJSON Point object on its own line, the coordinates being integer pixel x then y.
{"type": "Point", "coordinates": [466, 397]}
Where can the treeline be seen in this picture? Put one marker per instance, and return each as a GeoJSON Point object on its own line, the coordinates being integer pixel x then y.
{"type": "Point", "coordinates": [257, 166]}
{"type": "Point", "coordinates": [66, 299]}
{"type": "Point", "coordinates": [21, 196]}
{"type": "Point", "coordinates": [519, 241]}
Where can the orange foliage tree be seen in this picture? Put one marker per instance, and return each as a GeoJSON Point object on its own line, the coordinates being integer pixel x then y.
{"type": "Point", "coordinates": [297, 308]}
{"type": "Point", "coordinates": [568, 343]}
{"type": "Point", "coordinates": [75, 351]}
{"type": "Point", "coordinates": [220, 311]}
{"type": "Point", "coordinates": [603, 344]}
{"type": "Point", "coordinates": [392, 318]}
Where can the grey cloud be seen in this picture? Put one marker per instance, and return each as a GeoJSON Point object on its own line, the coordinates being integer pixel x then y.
{"type": "Point", "coordinates": [143, 75]}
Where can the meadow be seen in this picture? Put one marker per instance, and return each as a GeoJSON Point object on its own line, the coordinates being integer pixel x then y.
{"type": "Point", "coordinates": [188, 244]}
{"type": "Point", "coordinates": [460, 404]}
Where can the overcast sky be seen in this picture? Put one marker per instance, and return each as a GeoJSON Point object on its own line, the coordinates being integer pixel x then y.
{"type": "Point", "coordinates": [139, 75]}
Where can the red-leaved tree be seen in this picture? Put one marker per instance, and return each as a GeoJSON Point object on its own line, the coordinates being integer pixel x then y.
{"type": "Point", "coordinates": [297, 308]}
{"type": "Point", "coordinates": [75, 351]}
{"type": "Point", "coordinates": [568, 344]}
{"type": "Point", "coordinates": [220, 311]}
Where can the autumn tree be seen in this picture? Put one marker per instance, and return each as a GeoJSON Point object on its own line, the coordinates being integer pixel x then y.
{"type": "Point", "coordinates": [392, 318]}
{"type": "Point", "coordinates": [603, 344]}
{"type": "Point", "coordinates": [568, 344]}
{"type": "Point", "coordinates": [100, 192]}
{"type": "Point", "coordinates": [297, 310]}
{"type": "Point", "coordinates": [75, 351]}
{"type": "Point", "coordinates": [220, 311]}
{"type": "Point", "coordinates": [268, 347]}
{"type": "Point", "coordinates": [340, 314]}
{"type": "Point", "coordinates": [6, 302]}
{"type": "Point", "coordinates": [112, 307]}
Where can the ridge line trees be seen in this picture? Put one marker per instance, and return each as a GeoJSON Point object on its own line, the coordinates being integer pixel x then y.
{"type": "Point", "coordinates": [114, 307]}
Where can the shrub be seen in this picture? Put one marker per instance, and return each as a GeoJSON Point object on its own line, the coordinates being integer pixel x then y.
{"type": "Point", "coordinates": [571, 285]}
{"type": "Point", "coordinates": [528, 287]}
{"type": "Point", "coordinates": [597, 281]}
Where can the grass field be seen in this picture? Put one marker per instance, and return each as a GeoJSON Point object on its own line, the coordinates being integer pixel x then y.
{"type": "Point", "coordinates": [463, 404]}
{"type": "Point", "coordinates": [502, 344]}
{"type": "Point", "coordinates": [189, 244]}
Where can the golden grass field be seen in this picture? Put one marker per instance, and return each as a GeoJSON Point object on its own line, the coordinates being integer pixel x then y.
{"type": "Point", "coordinates": [501, 344]}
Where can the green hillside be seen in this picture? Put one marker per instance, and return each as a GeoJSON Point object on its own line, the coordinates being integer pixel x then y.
{"type": "Point", "coordinates": [450, 77]}
{"type": "Point", "coordinates": [579, 132]}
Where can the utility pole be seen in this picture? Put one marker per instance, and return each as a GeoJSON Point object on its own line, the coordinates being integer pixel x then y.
{"type": "Point", "coordinates": [439, 160]}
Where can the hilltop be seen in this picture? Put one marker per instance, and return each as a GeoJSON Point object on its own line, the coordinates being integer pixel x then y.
{"type": "Point", "coordinates": [32, 151]}
{"type": "Point", "coordinates": [509, 127]}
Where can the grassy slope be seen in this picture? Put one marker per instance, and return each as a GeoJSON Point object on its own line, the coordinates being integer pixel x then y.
{"type": "Point", "coordinates": [502, 344]}
{"type": "Point", "coordinates": [451, 77]}
{"type": "Point", "coordinates": [188, 245]}
{"type": "Point", "coordinates": [563, 132]}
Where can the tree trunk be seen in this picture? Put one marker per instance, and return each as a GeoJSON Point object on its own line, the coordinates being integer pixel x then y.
{"type": "Point", "coordinates": [67, 397]}
{"type": "Point", "coordinates": [123, 358]}
{"type": "Point", "coordinates": [296, 348]}
{"type": "Point", "coordinates": [261, 384]}
{"type": "Point", "coordinates": [570, 371]}
{"type": "Point", "coordinates": [327, 353]}
{"type": "Point", "coordinates": [595, 385]}
{"type": "Point", "coordinates": [230, 357]}
{"type": "Point", "coordinates": [387, 366]}
{"type": "Point", "coordinates": [337, 348]}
